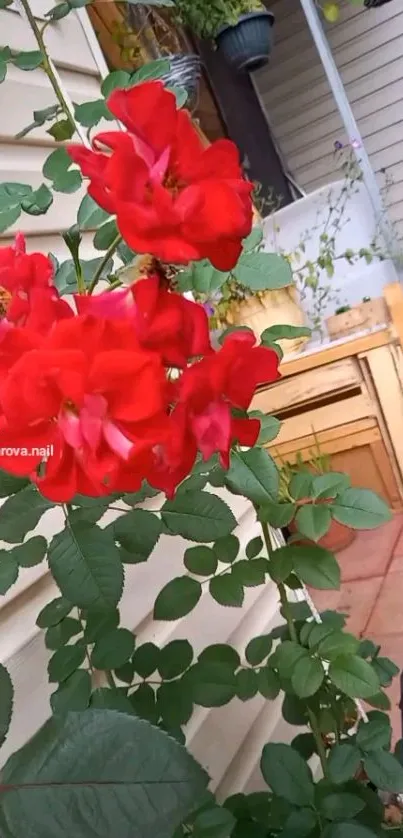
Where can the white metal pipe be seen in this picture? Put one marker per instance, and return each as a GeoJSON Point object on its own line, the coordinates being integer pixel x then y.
{"type": "Point", "coordinates": [350, 123]}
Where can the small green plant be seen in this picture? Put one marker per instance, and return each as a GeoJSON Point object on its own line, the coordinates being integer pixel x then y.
{"type": "Point", "coordinates": [205, 19]}
{"type": "Point", "coordinates": [342, 309]}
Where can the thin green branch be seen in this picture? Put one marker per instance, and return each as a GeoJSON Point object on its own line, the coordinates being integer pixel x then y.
{"type": "Point", "coordinates": [109, 253]}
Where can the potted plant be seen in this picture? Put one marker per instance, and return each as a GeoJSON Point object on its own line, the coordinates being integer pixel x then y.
{"type": "Point", "coordinates": [241, 29]}
{"type": "Point", "coordinates": [305, 486]}
{"type": "Point", "coordinates": [350, 319]}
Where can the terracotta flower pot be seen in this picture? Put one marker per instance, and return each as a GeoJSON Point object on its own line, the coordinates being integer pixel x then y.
{"type": "Point", "coordinates": [337, 538]}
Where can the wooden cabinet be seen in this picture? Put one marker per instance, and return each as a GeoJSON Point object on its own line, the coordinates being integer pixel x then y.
{"type": "Point", "coordinates": [349, 397]}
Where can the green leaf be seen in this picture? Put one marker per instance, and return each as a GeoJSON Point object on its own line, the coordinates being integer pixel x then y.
{"type": "Point", "coordinates": [329, 485]}
{"type": "Point", "coordinates": [343, 762]}
{"type": "Point", "coordinates": [386, 670]}
{"type": "Point", "coordinates": [113, 649]}
{"type": "Point", "coordinates": [54, 612]}
{"type": "Point", "coordinates": [263, 271]}
{"type": "Point", "coordinates": [10, 485]}
{"type": "Point", "coordinates": [56, 164]}
{"type": "Point", "coordinates": [6, 702]}
{"type": "Point", "coordinates": [116, 79]}
{"type": "Point", "coordinates": [8, 571]}
{"type": "Point", "coordinates": [220, 653]}
{"type": "Point", "coordinates": [90, 215]}
{"type": "Point", "coordinates": [38, 202]}
{"type": "Point", "coordinates": [28, 60]}
{"type": "Point", "coordinates": [154, 69]}
{"type": "Point", "coordinates": [72, 694]}
{"type": "Point", "coordinates": [287, 774]}
{"type": "Point", "coordinates": [226, 590]}
{"type": "Point", "coordinates": [11, 195]}
{"type": "Point", "coordinates": [137, 532]}
{"type": "Point", "coordinates": [380, 700]}
{"type": "Point", "coordinates": [193, 514]}
{"type": "Point", "coordinates": [353, 676]}
{"type": "Point", "coordinates": [89, 114]}
{"type": "Point", "coordinates": [68, 182]}
{"type": "Point", "coordinates": [32, 552]}
{"type": "Point", "coordinates": [227, 548]}
{"type": "Point", "coordinates": [216, 822]}
{"type": "Point", "coordinates": [247, 684]}
{"type": "Point", "coordinates": [97, 623]}
{"type": "Point", "coordinates": [287, 655]}
{"type": "Point", "coordinates": [315, 566]}
{"type": "Point", "coordinates": [3, 68]}
{"type": "Point", "coordinates": [338, 643]}
{"type": "Point", "coordinates": [281, 563]}
{"type": "Point", "coordinates": [348, 830]}
{"type": "Point", "coordinates": [211, 684]}
{"type": "Point", "coordinates": [299, 823]}
{"type": "Point", "coordinates": [268, 683]}
{"type": "Point", "coordinates": [258, 649]}
{"type": "Point", "coordinates": [305, 744]}
{"type": "Point", "coordinates": [340, 805]}
{"type": "Point", "coordinates": [269, 426]}
{"type": "Point", "coordinates": [53, 771]}
{"type": "Point", "coordinates": [105, 698]}
{"type": "Point", "coordinates": [174, 704]}
{"type": "Point", "coordinates": [200, 560]}
{"type": "Point", "coordinates": [253, 474]}
{"type": "Point", "coordinates": [174, 658]}
{"type": "Point", "coordinates": [284, 332]}
{"type": "Point", "coordinates": [146, 659]}
{"type": "Point", "coordinates": [313, 521]}
{"type": "Point", "coordinates": [105, 235]}
{"type": "Point", "coordinates": [177, 598]}
{"type": "Point", "coordinates": [202, 278]}
{"type": "Point", "coordinates": [374, 734]}
{"type": "Point", "coordinates": [254, 547]}
{"type": "Point", "coordinates": [307, 677]}
{"type": "Point", "coordinates": [144, 703]}
{"type": "Point", "coordinates": [8, 217]}
{"type": "Point", "coordinates": [384, 770]}
{"type": "Point", "coordinates": [62, 130]}
{"type": "Point", "coordinates": [65, 661]}
{"type": "Point", "coordinates": [21, 513]}
{"type": "Point", "coordinates": [66, 279]}
{"type": "Point", "coordinates": [250, 573]}
{"type": "Point", "coordinates": [59, 635]}
{"type": "Point", "coordinates": [301, 485]}
{"type": "Point", "coordinates": [277, 514]}
{"type": "Point", "coordinates": [85, 564]}
{"type": "Point", "coordinates": [360, 509]}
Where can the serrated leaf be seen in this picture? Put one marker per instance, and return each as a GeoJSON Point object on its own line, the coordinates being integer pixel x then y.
{"type": "Point", "coordinates": [21, 513]}
{"type": "Point", "coordinates": [130, 795]}
{"type": "Point", "coordinates": [6, 702]}
{"type": "Point", "coordinates": [113, 649]}
{"type": "Point", "coordinates": [177, 598]}
{"type": "Point", "coordinates": [98, 623]}
{"type": "Point", "coordinates": [281, 563]}
{"type": "Point", "coordinates": [68, 182]}
{"type": "Point", "coordinates": [90, 215]}
{"type": "Point", "coordinates": [62, 130]}
{"type": "Point", "coordinates": [227, 548]}
{"type": "Point", "coordinates": [287, 656]}
{"type": "Point", "coordinates": [89, 114]}
{"type": "Point", "coordinates": [56, 164]}
{"type": "Point", "coordinates": [315, 566]}
{"type": "Point", "coordinates": [353, 676]}
{"type": "Point", "coordinates": [214, 822]}
{"type": "Point", "coordinates": [59, 635]}
{"type": "Point", "coordinates": [105, 235]}
{"type": "Point", "coordinates": [253, 474]}
{"type": "Point", "coordinates": [8, 217]}
{"type": "Point", "coordinates": [340, 805]}
{"type": "Point", "coordinates": [220, 653]}
{"type": "Point", "coordinates": [307, 677]}
{"type": "Point", "coordinates": [268, 683]}
{"type": "Point", "coordinates": [64, 662]}
{"type": "Point", "coordinates": [10, 485]}
{"type": "Point", "coordinates": [144, 703]}
{"type": "Point", "coordinates": [313, 521]}
{"type": "Point", "coordinates": [193, 514]}
{"type": "Point", "coordinates": [385, 669]}
{"type": "Point", "coordinates": [263, 271]}
{"type": "Point", "coordinates": [28, 60]}
{"type": "Point", "coordinates": [384, 770]}
{"type": "Point", "coordinates": [250, 573]}
{"type": "Point", "coordinates": [360, 509]}
{"type": "Point", "coordinates": [73, 694]}
{"type": "Point", "coordinates": [330, 484]}
{"type": "Point", "coordinates": [211, 684]}
{"type": "Point", "coordinates": [227, 590]}
{"type": "Point", "coordinates": [137, 532]}
{"type": "Point", "coordinates": [301, 485]}
{"type": "Point", "coordinates": [287, 774]}
{"type": "Point", "coordinates": [174, 658]}
{"type": "Point", "coordinates": [374, 734]}
{"type": "Point", "coordinates": [174, 703]}
{"type": "Point", "coordinates": [254, 547]}
{"type": "Point", "coordinates": [246, 684]}
{"type": "Point", "coordinates": [258, 649]}
{"type": "Point", "coordinates": [277, 514]}
{"type": "Point", "coordinates": [153, 69]}
{"type": "Point", "coordinates": [116, 79]}
{"type": "Point", "coordinates": [38, 202]}
{"type": "Point", "coordinates": [54, 612]}
{"type": "Point", "coordinates": [8, 571]}
{"type": "Point", "coordinates": [32, 552]}
{"type": "Point", "coordinates": [284, 332]}
{"type": "Point", "coordinates": [200, 560]}
{"type": "Point", "coordinates": [146, 659]}
{"type": "Point", "coordinates": [85, 564]}
{"type": "Point", "coordinates": [338, 643]}
{"type": "Point", "coordinates": [343, 762]}
{"type": "Point", "coordinates": [105, 698]}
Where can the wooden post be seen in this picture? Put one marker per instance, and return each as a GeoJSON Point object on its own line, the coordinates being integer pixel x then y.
{"type": "Point", "coordinates": [393, 294]}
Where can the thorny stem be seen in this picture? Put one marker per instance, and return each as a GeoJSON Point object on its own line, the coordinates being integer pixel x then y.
{"type": "Point", "coordinates": [109, 253]}
{"type": "Point", "coordinates": [293, 635]}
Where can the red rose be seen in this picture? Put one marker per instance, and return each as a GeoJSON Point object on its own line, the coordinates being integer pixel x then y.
{"type": "Point", "coordinates": [94, 394]}
{"type": "Point", "coordinates": [172, 197]}
{"type": "Point", "coordinates": [163, 321]}
{"type": "Point", "coordinates": [27, 278]}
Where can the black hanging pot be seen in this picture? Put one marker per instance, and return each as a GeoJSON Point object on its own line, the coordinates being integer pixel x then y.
{"type": "Point", "coordinates": [185, 71]}
{"type": "Point", "coordinates": [247, 45]}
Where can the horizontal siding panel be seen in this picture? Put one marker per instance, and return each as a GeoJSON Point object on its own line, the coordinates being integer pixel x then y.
{"type": "Point", "coordinates": [65, 40]}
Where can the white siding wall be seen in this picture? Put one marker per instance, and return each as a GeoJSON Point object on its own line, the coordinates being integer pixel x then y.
{"type": "Point", "coordinates": [368, 49]}
{"type": "Point", "coordinates": [227, 741]}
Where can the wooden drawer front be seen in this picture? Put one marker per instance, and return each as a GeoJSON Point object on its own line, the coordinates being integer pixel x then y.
{"type": "Point", "coordinates": [308, 386]}
{"type": "Point", "coordinates": [323, 418]}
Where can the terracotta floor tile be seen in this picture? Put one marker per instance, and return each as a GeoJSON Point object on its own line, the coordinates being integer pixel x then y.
{"type": "Point", "coordinates": [397, 563]}
{"type": "Point", "coordinates": [387, 616]}
{"type": "Point", "coordinates": [357, 599]}
{"type": "Point", "coordinates": [392, 647]}
{"type": "Point", "coordinates": [371, 551]}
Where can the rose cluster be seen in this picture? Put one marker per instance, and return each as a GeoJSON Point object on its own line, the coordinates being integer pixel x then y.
{"type": "Point", "coordinates": [125, 384]}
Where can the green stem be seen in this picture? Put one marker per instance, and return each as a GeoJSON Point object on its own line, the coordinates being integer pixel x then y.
{"type": "Point", "coordinates": [46, 63]}
{"type": "Point", "coordinates": [313, 722]}
{"type": "Point", "coordinates": [98, 273]}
